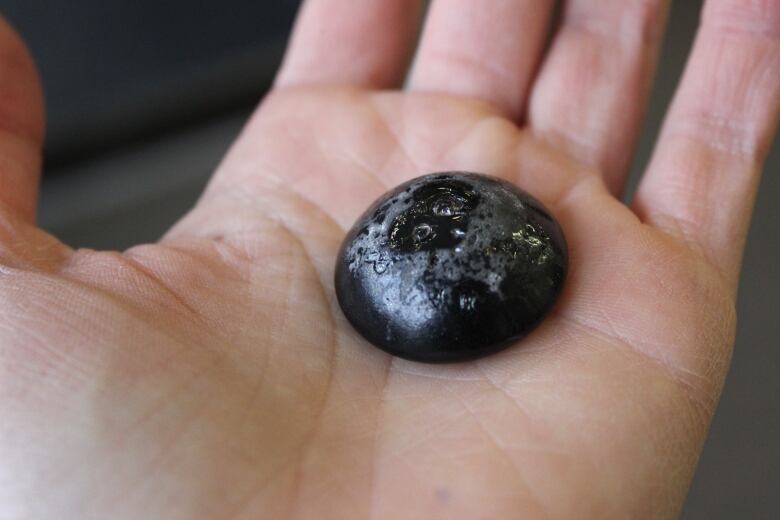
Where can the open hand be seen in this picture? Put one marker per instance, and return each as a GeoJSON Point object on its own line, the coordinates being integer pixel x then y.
{"type": "Point", "coordinates": [212, 374]}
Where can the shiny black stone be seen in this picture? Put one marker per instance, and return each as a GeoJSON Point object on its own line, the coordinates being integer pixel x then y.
{"type": "Point", "coordinates": [449, 267]}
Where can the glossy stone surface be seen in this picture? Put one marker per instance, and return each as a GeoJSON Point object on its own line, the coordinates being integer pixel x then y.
{"type": "Point", "coordinates": [450, 267]}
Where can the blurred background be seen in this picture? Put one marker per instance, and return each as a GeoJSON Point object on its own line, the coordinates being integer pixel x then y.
{"type": "Point", "coordinates": [144, 97]}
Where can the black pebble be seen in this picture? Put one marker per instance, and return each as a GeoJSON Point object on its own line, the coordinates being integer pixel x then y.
{"type": "Point", "coordinates": [450, 267]}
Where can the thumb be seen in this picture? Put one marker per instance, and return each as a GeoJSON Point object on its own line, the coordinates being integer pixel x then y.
{"type": "Point", "coordinates": [21, 128]}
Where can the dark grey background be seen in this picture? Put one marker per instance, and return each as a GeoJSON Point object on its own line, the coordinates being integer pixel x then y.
{"type": "Point", "coordinates": [145, 96]}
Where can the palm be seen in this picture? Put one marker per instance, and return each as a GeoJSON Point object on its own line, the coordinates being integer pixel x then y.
{"type": "Point", "coordinates": [212, 374]}
{"type": "Point", "coordinates": [232, 345]}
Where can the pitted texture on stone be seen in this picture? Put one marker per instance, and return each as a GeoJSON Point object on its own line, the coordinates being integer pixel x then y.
{"type": "Point", "coordinates": [449, 267]}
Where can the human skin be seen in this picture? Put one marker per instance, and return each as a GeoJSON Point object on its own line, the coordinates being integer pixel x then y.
{"type": "Point", "coordinates": [212, 374]}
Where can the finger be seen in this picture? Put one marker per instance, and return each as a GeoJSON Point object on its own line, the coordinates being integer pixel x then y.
{"type": "Point", "coordinates": [705, 170]}
{"type": "Point", "coordinates": [486, 50]}
{"type": "Point", "coordinates": [346, 42]}
{"type": "Point", "coordinates": [592, 91]}
{"type": "Point", "coordinates": [21, 127]}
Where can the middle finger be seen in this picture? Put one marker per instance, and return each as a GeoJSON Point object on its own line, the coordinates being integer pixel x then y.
{"type": "Point", "coordinates": [486, 50]}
